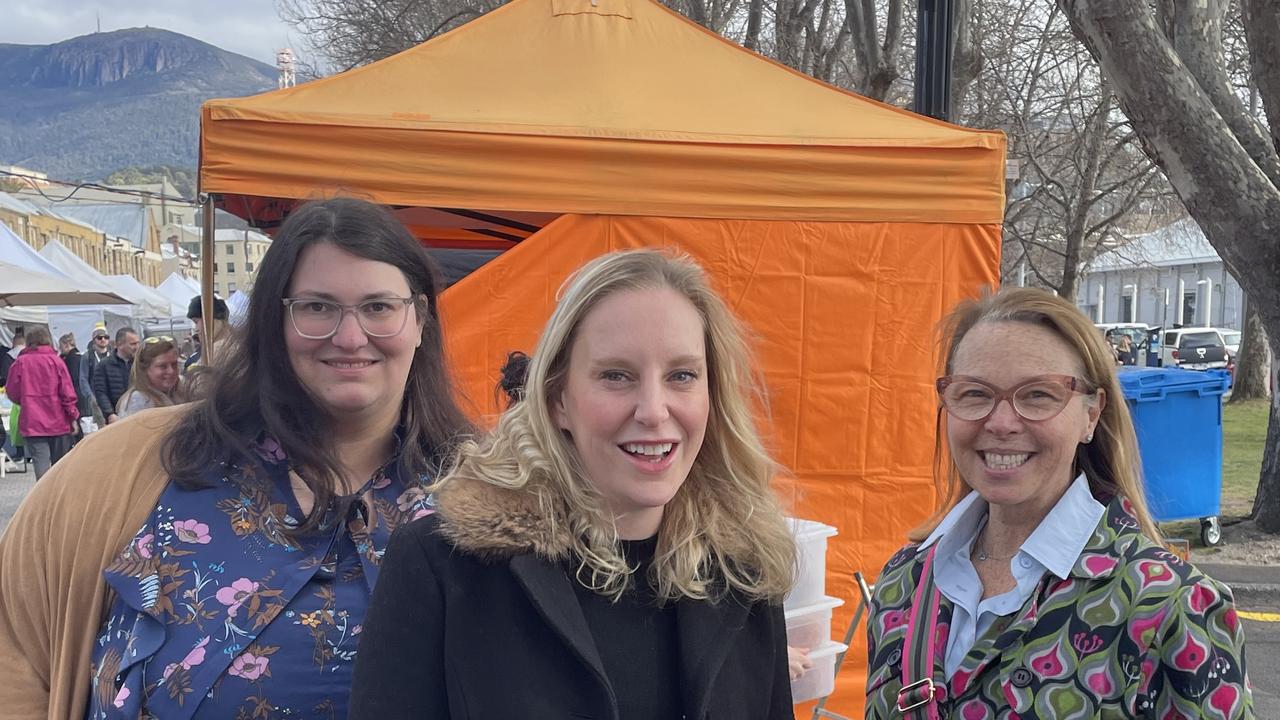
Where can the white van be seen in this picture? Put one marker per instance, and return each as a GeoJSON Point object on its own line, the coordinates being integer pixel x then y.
{"type": "Point", "coordinates": [1194, 348]}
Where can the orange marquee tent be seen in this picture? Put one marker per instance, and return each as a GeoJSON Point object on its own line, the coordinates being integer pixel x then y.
{"type": "Point", "coordinates": [838, 228]}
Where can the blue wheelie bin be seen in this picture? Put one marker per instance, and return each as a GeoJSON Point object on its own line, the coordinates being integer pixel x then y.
{"type": "Point", "coordinates": [1178, 417]}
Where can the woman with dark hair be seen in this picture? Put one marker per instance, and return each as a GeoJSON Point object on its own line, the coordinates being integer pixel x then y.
{"type": "Point", "coordinates": [513, 374]}
{"type": "Point", "coordinates": [223, 566]}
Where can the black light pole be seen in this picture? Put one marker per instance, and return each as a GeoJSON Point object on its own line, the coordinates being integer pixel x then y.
{"type": "Point", "coordinates": [934, 23]}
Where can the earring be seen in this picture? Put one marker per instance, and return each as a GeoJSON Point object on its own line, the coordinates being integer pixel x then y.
{"type": "Point", "coordinates": [1088, 438]}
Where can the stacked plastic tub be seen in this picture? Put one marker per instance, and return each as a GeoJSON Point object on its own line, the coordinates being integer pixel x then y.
{"type": "Point", "coordinates": [809, 610]}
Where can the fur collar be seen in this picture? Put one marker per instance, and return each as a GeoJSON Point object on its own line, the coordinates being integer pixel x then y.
{"type": "Point", "coordinates": [495, 523]}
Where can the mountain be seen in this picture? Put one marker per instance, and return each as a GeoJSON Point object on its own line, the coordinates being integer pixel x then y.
{"type": "Point", "coordinates": [82, 108]}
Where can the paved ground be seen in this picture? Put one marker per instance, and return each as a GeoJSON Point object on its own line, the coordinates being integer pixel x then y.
{"type": "Point", "coordinates": [1262, 645]}
{"type": "Point", "coordinates": [14, 487]}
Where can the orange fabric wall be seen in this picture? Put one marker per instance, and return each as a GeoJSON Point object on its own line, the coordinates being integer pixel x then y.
{"type": "Point", "coordinates": [844, 318]}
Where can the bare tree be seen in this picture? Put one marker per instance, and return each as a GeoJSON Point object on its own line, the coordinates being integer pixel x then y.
{"type": "Point", "coordinates": [1168, 68]}
{"type": "Point", "coordinates": [351, 33]}
{"type": "Point", "coordinates": [1080, 174]}
{"type": "Point", "coordinates": [856, 44]}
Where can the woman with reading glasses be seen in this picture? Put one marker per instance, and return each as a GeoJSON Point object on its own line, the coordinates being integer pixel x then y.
{"type": "Point", "coordinates": [1041, 589]}
{"type": "Point", "coordinates": [223, 566]}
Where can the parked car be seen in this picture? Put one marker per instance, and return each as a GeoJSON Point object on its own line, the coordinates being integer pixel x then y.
{"type": "Point", "coordinates": [1194, 348]}
{"type": "Point", "coordinates": [1230, 338]}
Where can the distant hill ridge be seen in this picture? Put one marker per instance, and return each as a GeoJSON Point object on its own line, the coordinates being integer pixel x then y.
{"type": "Point", "coordinates": [84, 107]}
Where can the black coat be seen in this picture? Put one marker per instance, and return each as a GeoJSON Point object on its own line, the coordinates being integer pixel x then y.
{"type": "Point", "coordinates": [453, 634]}
{"type": "Point", "coordinates": [110, 380]}
{"type": "Point", "coordinates": [72, 360]}
{"type": "Point", "coordinates": [6, 362]}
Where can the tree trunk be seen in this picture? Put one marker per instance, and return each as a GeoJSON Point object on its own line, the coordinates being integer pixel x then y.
{"type": "Point", "coordinates": [1267, 501]}
{"type": "Point", "coordinates": [1228, 192]}
{"type": "Point", "coordinates": [1252, 380]}
{"type": "Point", "coordinates": [754, 13]}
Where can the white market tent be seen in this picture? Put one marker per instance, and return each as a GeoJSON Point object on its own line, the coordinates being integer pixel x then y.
{"type": "Point", "coordinates": [22, 286]}
{"type": "Point", "coordinates": [78, 319]}
{"type": "Point", "coordinates": [179, 290]}
{"type": "Point", "coordinates": [237, 307]}
{"type": "Point", "coordinates": [146, 301]}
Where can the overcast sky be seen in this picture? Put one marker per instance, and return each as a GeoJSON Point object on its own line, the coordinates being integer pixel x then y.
{"type": "Point", "coordinates": [248, 27]}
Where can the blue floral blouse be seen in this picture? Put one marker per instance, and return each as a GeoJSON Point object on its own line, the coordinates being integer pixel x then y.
{"type": "Point", "coordinates": [218, 613]}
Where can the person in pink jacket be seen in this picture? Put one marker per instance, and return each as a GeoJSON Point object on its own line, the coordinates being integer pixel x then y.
{"type": "Point", "coordinates": [39, 383]}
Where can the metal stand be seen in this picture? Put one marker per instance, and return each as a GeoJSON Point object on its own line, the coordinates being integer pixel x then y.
{"type": "Point", "coordinates": [864, 605]}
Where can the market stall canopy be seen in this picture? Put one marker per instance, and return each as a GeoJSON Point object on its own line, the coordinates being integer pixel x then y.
{"type": "Point", "coordinates": [16, 251]}
{"type": "Point", "coordinates": [146, 301]}
{"type": "Point", "coordinates": [622, 107]}
{"type": "Point", "coordinates": [85, 276]}
{"type": "Point", "coordinates": [22, 286]}
{"type": "Point", "coordinates": [179, 290]}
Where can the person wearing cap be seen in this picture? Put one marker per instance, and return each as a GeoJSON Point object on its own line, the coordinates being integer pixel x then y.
{"type": "Point", "coordinates": [195, 314]}
{"type": "Point", "coordinates": [99, 351]}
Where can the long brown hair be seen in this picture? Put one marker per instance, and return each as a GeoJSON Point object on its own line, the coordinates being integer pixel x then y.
{"type": "Point", "coordinates": [146, 356]}
{"type": "Point", "coordinates": [1110, 462]}
{"type": "Point", "coordinates": [253, 390]}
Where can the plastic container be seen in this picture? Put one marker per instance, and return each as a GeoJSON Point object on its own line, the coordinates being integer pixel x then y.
{"type": "Point", "coordinates": [809, 627]}
{"type": "Point", "coordinates": [821, 678]}
{"type": "Point", "coordinates": [1178, 418]}
{"type": "Point", "coordinates": [811, 557]}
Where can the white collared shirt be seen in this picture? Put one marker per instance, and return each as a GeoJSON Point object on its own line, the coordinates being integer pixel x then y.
{"type": "Point", "coordinates": [1054, 547]}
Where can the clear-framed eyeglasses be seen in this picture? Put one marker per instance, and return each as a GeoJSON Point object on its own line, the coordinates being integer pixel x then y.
{"type": "Point", "coordinates": [1041, 398]}
{"type": "Point", "coordinates": [317, 319]}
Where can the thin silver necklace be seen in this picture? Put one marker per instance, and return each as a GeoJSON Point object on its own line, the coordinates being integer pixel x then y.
{"type": "Point", "coordinates": [983, 555]}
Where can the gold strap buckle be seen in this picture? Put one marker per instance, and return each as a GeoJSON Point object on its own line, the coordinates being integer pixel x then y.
{"type": "Point", "coordinates": [927, 684]}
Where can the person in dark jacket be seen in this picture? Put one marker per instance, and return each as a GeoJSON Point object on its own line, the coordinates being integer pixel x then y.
{"type": "Point", "coordinates": [612, 549]}
{"type": "Point", "coordinates": [98, 352]}
{"type": "Point", "coordinates": [8, 355]}
{"type": "Point", "coordinates": [111, 377]}
{"type": "Point", "coordinates": [196, 315]}
{"type": "Point", "coordinates": [72, 359]}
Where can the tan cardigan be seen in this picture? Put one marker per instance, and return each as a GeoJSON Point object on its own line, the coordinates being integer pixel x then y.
{"type": "Point", "coordinates": [52, 555]}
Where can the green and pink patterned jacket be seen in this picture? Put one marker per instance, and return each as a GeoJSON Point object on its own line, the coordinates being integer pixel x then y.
{"type": "Point", "coordinates": [1133, 632]}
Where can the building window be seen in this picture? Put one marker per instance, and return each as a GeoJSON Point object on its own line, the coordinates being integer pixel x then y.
{"type": "Point", "coordinates": [231, 249]}
{"type": "Point", "coordinates": [248, 267]}
{"type": "Point", "coordinates": [231, 267]}
{"type": "Point", "coordinates": [1126, 309]}
{"type": "Point", "coordinates": [215, 267]}
{"type": "Point", "coordinates": [217, 288]}
{"type": "Point", "coordinates": [1189, 308]}
{"type": "Point", "coordinates": [231, 287]}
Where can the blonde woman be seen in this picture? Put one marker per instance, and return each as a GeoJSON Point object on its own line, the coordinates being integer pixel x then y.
{"type": "Point", "coordinates": [1042, 589]}
{"type": "Point", "coordinates": [612, 549]}
{"type": "Point", "coordinates": [154, 380]}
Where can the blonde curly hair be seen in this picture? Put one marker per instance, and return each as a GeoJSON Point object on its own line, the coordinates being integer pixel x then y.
{"type": "Point", "coordinates": [724, 529]}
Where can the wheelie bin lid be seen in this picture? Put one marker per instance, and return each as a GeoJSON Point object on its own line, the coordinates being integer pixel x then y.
{"type": "Point", "coordinates": [1144, 384]}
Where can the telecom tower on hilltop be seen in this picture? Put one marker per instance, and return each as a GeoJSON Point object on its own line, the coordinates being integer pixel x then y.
{"type": "Point", "coordinates": [287, 66]}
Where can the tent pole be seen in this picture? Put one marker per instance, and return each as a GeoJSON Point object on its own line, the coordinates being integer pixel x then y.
{"type": "Point", "coordinates": [207, 257]}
